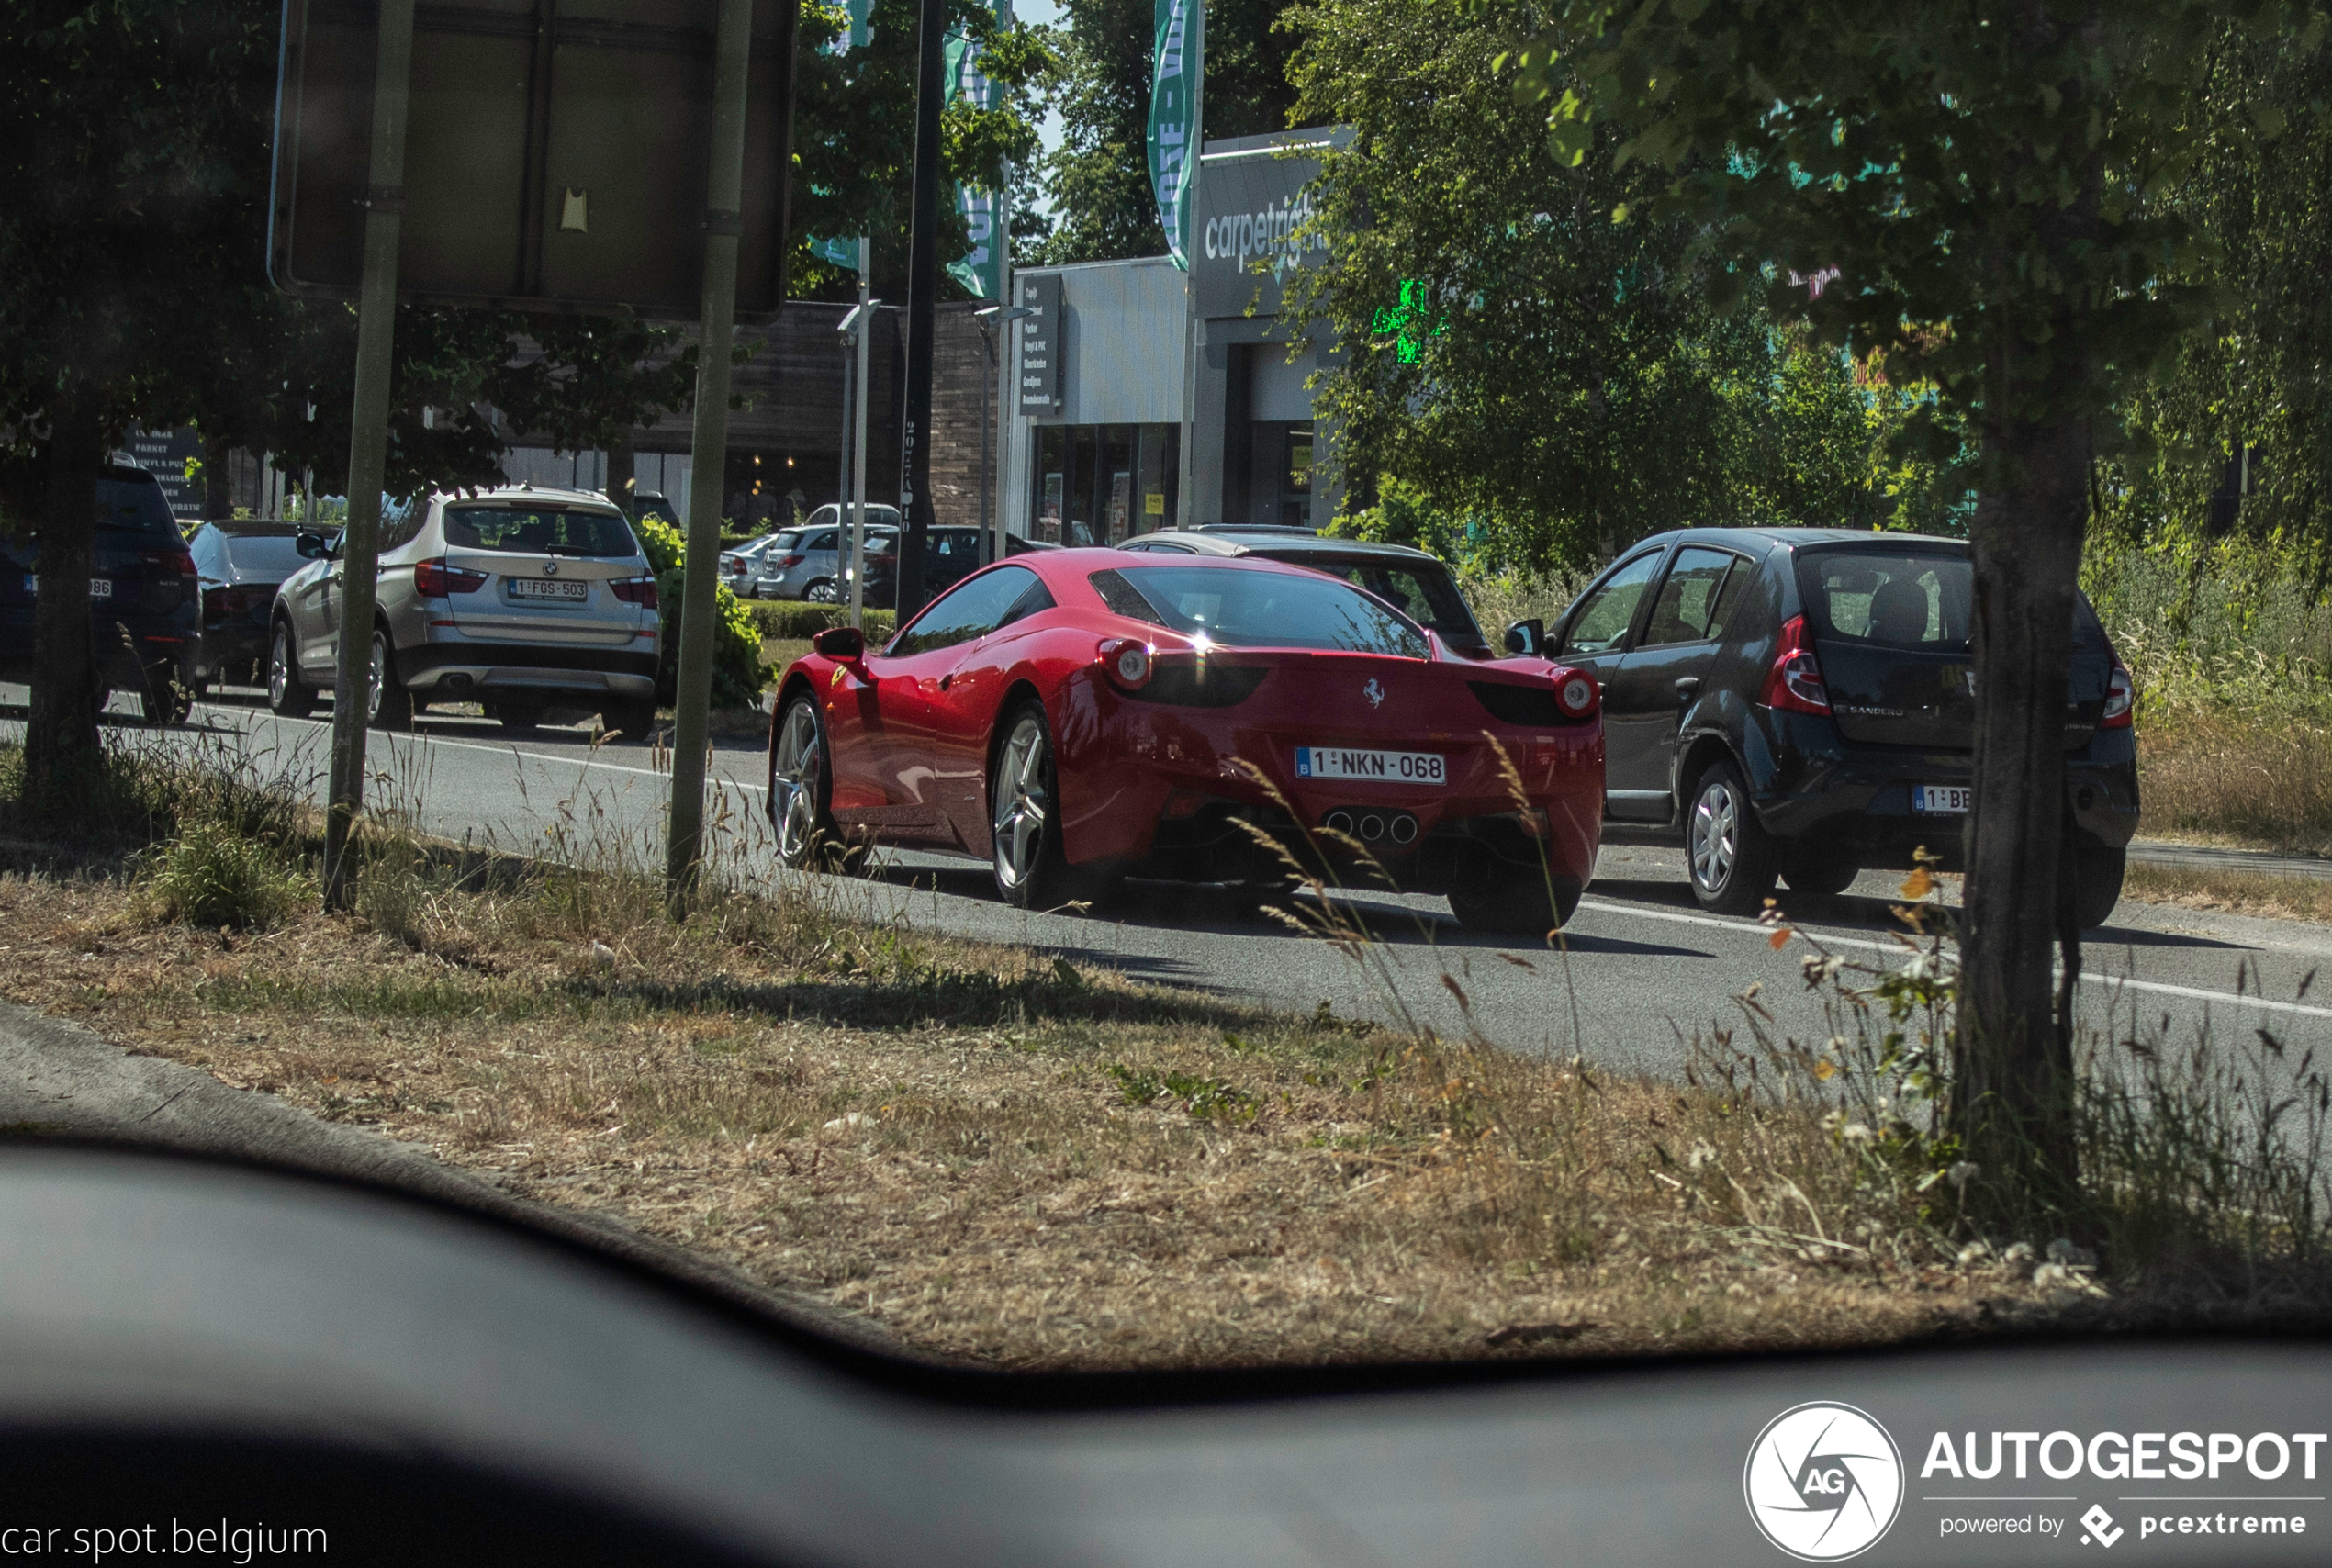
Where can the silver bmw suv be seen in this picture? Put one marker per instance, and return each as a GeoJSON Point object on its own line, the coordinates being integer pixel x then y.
{"type": "Point", "coordinates": [520, 599]}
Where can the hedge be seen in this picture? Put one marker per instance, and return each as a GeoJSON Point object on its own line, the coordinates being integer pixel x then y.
{"type": "Point", "coordinates": [795, 621]}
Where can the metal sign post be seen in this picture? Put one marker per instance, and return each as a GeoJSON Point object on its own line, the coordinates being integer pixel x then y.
{"type": "Point", "coordinates": [708, 452]}
{"type": "Point", "coordinates": [359, 561]}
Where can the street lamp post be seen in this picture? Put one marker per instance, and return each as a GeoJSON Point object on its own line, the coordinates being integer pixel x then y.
{"type": "Point", "coordinates": [990, 319]}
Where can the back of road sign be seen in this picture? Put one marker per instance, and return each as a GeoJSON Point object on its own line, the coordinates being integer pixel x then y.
{"type": "Point", "coordinates": [555, 157]}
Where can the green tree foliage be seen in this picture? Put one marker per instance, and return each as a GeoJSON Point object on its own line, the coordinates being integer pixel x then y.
{"type": "Point", "coordinates": [1103, 206]}
{"type": "Point", "coordinates": [2261, 377]}
{"type": "Point", "coordinates": [1989, 187]}
{"type": "Point", "coordinates": [855, 133]}
{"type": "Point", "coordinates": [1514, 358]}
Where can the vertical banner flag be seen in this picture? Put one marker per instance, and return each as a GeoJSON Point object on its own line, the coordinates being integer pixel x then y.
{"type": "Point", "coordinates": [981, 270]}
{"type": "Point", "coordinates": [1174, 157]}
{"type": "Point", "coordinates": [845, 253]}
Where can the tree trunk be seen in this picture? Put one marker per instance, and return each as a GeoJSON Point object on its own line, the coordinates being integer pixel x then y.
{"type": "Point", "coordinates": [61, 740]}
{"type": "Point", "coordinates": [218, 479]}
{"type": "Point", "coordinates": [622, 472]}
{"type": "Point", "coordinates": [2012, 1087]}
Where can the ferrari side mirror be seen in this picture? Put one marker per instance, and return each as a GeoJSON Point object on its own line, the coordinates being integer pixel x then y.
{"type": "Point", "coordinates": [1527, 637]}
{"type": "Point", "coordinates": [844, 643]}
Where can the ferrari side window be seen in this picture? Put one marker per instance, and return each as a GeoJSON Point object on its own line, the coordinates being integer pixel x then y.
{"type": "Point", "coordinates": [1038, 597]}
{"type": "Point", "coordinates": [1123, 600]}
{"type": "Point", "coordinates": [973, 608]}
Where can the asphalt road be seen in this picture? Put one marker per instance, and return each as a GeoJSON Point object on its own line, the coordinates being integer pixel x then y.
{"type": "Point", "coordinates": [1645, 973]}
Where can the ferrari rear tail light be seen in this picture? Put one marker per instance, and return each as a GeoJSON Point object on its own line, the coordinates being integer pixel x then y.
{"type": "Point", "coordinates": [2121, 699]}
{"type": "Point", "coordinates": [1575, 695]}
{"type": "Point", "coordinates": [1127, 661]}
{"type": "Point", "coordinates": [635, 590]}
{"type": "Point", "coordinates": [1794, 684]}
{"type": "Point", "coordinates": [435, 579]}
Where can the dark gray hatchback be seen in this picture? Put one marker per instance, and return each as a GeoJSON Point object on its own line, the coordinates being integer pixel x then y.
{"type": "Point", "coordinates": [1799, 703]}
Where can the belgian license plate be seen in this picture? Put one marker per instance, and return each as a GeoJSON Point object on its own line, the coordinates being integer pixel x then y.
{"type": "Point", "coordinates": [562, 590]}
{"type": "Point", "coordinates": [1943, 800]}
{"type": "Point", "coordinates": [99, 588]}
{"type": "Point", "coordinates": [1383, 766]}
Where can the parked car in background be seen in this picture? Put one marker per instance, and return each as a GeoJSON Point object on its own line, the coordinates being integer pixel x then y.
{"type": "Point", "coordinates": [647, 503]}
{"type": "Point", "coordinates": [813, 566]}
{"type": "Point", "coordinates": [1075, 717]}
{"type": "Point", "coordinates": [1800, 703]}
{"type": "Point", "coordinates": [518, 599]}
{"type": "Point", "coordinates": [1413, 582]}
{"type": "Point", "coordinates": [238, 564]}
{"type": "Point", "coordinates": [950, 556]}
{"type": "Point", "coordinates": [741, 564]}
{"type": "Point", "coordinates": [144, 620]}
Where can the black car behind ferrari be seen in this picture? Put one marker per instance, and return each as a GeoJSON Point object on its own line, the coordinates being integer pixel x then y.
{"type": "Point", "coordinates": [239, 564]}
{"type": "Point", "coordinates": [1800, 703]}
{"type": "Point", "coordinates": [143, 623]}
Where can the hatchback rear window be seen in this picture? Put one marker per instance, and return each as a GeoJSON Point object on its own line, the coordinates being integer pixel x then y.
{"type": "Point", "coordinates": [1896, 598]}
{"type": "Point", "coordinates": [131, 503]}
{"type": "Point", "coordinates": [541, 533]}
{"type": "Point", "coordinates": [1272, 610]}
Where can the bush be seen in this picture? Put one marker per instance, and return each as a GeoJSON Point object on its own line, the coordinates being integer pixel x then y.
{"type": "Point", "coordinates": [212, 876]}
{"type": "Point", "coordinates": [798, 622]}
{"type": "Point", "coordinates": [739, 673]}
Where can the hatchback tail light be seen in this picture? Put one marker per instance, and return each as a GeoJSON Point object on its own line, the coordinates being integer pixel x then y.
{"type": "Point", "coordinates": [435, 579]}
{"type": "Point", "coordinates": [2121, 699]}
{"type": "Point", "coordinates": [1575, 694]}
{"type": "Point", "coordinates": [1794, 684]}
{"type": "Point", "coordinates": [790, 563]}
{"type": "Point", "coordinates": [635, 590]}
{"type": "Point", "coordinates": [1127, 661]}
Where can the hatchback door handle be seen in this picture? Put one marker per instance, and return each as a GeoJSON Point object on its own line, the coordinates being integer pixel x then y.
{"type": "Point", "coordinates": [1687, 687]}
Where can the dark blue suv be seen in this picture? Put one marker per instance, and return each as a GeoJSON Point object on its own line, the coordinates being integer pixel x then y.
{"type": "Point", "coordinates": [144, 616]}
{"type": "Point", "coordinates": [1800, 703]}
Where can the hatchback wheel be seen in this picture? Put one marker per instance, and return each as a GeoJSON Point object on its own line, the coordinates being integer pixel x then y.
{"type": "Point", "coordinates": [1733, 861]}
{"type": "Point", "coordinates": [826, 590]}
{"type": "Point", "coordinates": [1823, 873]}
{"type": "Point", "coordinates": [2100, 871]}
{"type": "Point", "coordinates": [287, 695]}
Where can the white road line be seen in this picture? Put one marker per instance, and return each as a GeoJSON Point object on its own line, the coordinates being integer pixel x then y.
{"type": "Point", "coordinates": [2120, 982]}
{"type": "Point", "coordinates": [512, 750]}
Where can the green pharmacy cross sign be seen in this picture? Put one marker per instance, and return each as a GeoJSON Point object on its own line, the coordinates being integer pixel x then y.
{"type": "Point", "coordinates": [1405, 323]}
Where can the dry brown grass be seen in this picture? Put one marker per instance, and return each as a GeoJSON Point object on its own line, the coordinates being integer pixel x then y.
{"type": "Point", "coordinates": [2231, 892]}
{"type": "Point", "coordinates": [999, 1156]}
{"type": "Point", "coordinates": [2258, 779]}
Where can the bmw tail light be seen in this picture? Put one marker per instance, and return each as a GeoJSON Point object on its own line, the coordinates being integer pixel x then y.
{"type": "Point", "coordinates": [435, 579]}
{"type": "Point", "coordinates": [1128, 662]}
{"type": "Point", "coordinates": [2121, 699]}
{"type": "Point", "coordinates": [1576, 696]}
{"type": "Point", "coordinates": [635, 590]}
{"type": "Point", "coordinates": [1794, 684]}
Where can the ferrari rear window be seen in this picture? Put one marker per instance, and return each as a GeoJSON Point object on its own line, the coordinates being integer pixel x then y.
{"type": "Point", "coordinates": [539, 531]}
{"type": "Point", "coordinates": [1272, 609]}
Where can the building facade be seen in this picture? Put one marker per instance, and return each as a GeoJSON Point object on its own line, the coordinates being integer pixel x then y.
{"type": "Point", "coordinates": [1145, 397]}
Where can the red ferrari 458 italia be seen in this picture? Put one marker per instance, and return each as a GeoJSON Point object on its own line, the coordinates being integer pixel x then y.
{"type": "Point", "coordinates": [1083, 716]}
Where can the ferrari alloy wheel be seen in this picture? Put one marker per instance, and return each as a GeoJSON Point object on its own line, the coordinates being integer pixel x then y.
{"type": "Point", "coordinates": [287, 695]}
{"type": "Point", "coordinates": [1733, 861]}
{"type": "Point", "coordinates": [798, 786]}
{"type": "Point", "coordinates": [391, 705]}
{"type": "Point", "coordinates": [1023, 814]}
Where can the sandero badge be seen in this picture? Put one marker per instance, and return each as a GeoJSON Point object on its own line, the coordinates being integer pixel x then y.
{"type": "Point", "coordinates": [1824, 1482]}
